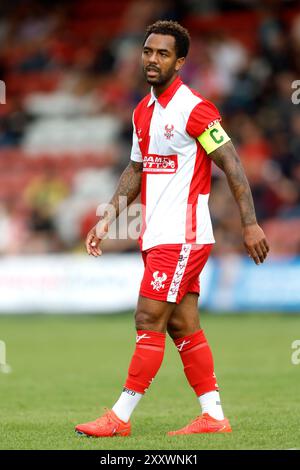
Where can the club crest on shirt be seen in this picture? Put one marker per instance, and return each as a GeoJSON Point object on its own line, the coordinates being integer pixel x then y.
{"type": "Point", "coordinates": [157, 283]}
{"type": "Point", "coordinates": [169, 128]}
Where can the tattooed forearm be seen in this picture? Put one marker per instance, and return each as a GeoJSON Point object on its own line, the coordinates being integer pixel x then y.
{"type": "Point", "coordinates": [227, 159]}
{"type": "Point", "coordinates": [128, 188]}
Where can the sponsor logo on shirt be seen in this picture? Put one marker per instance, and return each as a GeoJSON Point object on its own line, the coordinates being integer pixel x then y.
{"type": "Point", "coordinates": [160, 163]}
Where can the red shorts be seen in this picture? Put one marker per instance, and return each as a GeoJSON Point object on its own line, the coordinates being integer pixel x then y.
{"type": "Point", "coordinates": [171, 271]}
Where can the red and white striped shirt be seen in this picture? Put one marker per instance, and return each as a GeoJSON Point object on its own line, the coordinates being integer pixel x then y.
{"type": "Point", "coordinates": [176, 174]}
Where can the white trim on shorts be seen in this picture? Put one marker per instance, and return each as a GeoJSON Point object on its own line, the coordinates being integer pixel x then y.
{"type": "Point", "coordinates": [179, 272]}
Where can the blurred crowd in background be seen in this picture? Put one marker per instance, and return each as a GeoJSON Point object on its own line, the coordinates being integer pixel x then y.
{"type": "Point", "coordinates": [72, 71]}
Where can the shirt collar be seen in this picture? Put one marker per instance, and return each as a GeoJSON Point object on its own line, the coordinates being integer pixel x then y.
{"type": "Point", "coordinates": [167, 95]}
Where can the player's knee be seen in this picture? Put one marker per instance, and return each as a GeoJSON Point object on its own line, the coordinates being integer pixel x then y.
{"type": "Point", "coordinates": [175, 327]}
{"type": "Point", "coordinates": [179, 327]}
{"type": "Point", "coordinates": [145, 320]}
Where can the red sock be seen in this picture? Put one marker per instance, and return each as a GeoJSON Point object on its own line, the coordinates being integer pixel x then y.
{"type": "Point", "coordinates": [198, 362]}
{"type": "Point", "coordinates": [146, 360]}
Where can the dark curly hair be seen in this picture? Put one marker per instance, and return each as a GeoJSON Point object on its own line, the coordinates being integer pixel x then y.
{"type": "Point", "coordinates": [171, 28]}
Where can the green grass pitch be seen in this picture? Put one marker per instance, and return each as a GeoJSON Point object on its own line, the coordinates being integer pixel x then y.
{"type": "Point", "coordinates": [66, 368]}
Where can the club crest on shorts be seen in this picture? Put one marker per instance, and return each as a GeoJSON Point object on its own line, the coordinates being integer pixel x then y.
{"type": "Point", "coordinates": [169, 131]}
{"type": "Point", "coordinates": [158, 281]}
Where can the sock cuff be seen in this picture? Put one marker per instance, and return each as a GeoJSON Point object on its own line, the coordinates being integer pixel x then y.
{"type": "Point", "coordinates": [151, 338]}
{"type": "Point", "coordinates": [190, 341]}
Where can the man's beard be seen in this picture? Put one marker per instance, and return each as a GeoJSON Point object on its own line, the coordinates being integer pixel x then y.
{"type": "Point", "coordinates": [159, 79]}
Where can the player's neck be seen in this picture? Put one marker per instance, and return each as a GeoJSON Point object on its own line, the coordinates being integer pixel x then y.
{"type": "Point", "coordinates": [158, 90]}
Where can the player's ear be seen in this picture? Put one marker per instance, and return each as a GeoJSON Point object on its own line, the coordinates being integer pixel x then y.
{"type": "Point", "coordinates": [179, 63]}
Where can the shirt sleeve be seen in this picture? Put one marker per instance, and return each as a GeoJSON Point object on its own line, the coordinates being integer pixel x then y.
{"type": "Point", "coordinates": [204, 125]}
{"type": "Point", "coordinates": [204, 115]}
{"type": "Point", "coordinates": [136, 154]}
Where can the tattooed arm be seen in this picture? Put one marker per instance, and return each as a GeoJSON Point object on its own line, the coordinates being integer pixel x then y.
{"type": "Point", "coordinates": [128, 188]}
{"type": "Point", "coordinates": [127, 191]}
{"type": "Point", "coordinates": [255, 242]}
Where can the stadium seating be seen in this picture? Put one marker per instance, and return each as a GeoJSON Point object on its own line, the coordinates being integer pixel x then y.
{"type": "Point", "coordinates": [73, 79]}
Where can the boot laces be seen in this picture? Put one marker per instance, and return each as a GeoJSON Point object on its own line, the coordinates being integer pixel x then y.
{"type": "Point", "coordinates": [105, 420]}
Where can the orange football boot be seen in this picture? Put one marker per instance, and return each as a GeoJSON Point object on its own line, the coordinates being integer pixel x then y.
{"type": "Point", "coordinates": [204, 424]}
{"type": "Point", "coordinates": [108, 425]}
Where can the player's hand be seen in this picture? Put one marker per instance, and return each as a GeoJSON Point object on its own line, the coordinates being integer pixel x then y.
{"type": "Point", "coordinates": [95, 236]}
{"type": "Point", "coordinates": [255, 243]}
